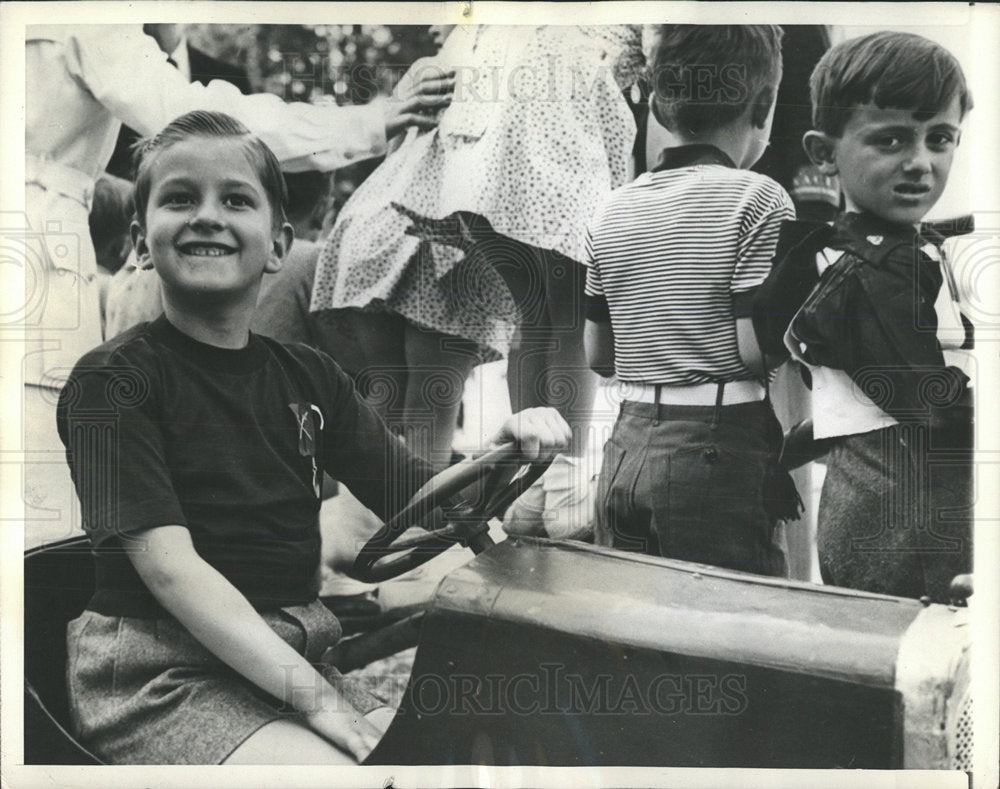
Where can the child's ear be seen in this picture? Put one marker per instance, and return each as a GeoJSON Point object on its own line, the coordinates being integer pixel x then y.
{"type": "Point", "coordinates": [280, 245]}
{"type": "Point", "coordinates": [142, 256]}
{"type": "Point", "coordinates": [761, 107]}
{"type": "Point", "coordinates": [658, 114]}
{"type": "Point", "coordinates": [822, 151]}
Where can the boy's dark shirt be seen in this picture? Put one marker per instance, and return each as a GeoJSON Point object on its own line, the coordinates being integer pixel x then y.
{"type": "Point", "coordinates": [871, 313]}
{"type": "Point", "coordinates": [161, 429]}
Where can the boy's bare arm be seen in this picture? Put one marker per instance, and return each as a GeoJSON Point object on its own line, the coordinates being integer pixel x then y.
{"type": "Point", "coordinates": [222, 619]}
{"type": "Point", "coordinates": [749, 348]}
{"type": "Point", "coordinates": [599, 345]}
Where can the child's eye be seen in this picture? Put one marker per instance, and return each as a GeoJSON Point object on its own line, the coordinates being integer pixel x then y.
{"type": "Point", "coordinates": [177, 198]}
{"type": "Point", "coordinates": [239, 201]}
{"type": "Point", "coordinates": [889, 141]}
{"type": "Point", "coordinates": [940, 139]}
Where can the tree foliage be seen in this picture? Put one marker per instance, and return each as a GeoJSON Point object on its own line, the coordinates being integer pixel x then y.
{"type": "Point", "coordinates": [349, 64]}
{"type": "Point", "coordinates": [346, 64]}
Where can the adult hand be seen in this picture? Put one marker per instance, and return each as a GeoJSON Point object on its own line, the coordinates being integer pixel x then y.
{"type": "Point", "coordinates": [423, 90]}
{"type": "Point", "coordinates": [540, 432]}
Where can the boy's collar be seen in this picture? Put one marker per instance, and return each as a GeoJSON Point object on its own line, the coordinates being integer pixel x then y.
{"type": "Point", "coordinates": [873, 228]}
{"type": "Point", "coordinates": [867, 235]}
{"type": "Point", "coordinates": [236, 361]}
{"type": "Point", "coordinates": [691, 155]}
{"type": "Point", "coordinates": [874, 239]}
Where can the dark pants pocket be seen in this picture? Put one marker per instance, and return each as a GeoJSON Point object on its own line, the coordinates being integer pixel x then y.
{"type": "Point", "coordinates": [708, 508]}
{"type": "Point", "coordinates": [615, 522]}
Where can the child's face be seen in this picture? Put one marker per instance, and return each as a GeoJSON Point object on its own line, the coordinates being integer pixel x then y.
{"type": "Point", "coordinates": [891, 164]}
{"type": "Point", "coordinates": [208, 228]}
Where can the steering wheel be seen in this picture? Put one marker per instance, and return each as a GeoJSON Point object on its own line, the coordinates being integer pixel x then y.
{"type": "Point", "coordinates": [487, 484]}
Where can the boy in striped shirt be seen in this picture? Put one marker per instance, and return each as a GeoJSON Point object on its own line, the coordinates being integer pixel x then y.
{"type": "Point", "coordinates": [674, 259]}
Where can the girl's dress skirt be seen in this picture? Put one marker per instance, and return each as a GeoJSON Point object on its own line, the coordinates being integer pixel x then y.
{"type": "Point", "coordinates": [538, 133]}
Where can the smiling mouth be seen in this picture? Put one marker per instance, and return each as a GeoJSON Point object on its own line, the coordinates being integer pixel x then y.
{"type": "Point", "coordinates": [206, 250]}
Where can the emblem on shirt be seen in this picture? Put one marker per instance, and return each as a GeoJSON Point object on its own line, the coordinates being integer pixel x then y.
{"type": "Point", "coordinates": [876, 241]}
{"type": "Point", "coordinates": [309, 420]}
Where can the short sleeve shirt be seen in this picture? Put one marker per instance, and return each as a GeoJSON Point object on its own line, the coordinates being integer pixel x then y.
{"type": "Point", "coordinates": [161, 429]}
{"type": "Point", "coordinates": [673, 259]}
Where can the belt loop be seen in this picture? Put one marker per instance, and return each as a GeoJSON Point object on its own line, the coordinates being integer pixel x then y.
{"type": "Point", "coordinates": [658, 389]}
{"type": "Point", "coordinates": [717, 414]}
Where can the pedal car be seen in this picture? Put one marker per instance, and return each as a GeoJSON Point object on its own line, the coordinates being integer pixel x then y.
{"type": "Point", "coordinates": [542, 652]}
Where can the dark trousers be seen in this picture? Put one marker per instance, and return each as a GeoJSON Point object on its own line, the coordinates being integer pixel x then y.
{"type": "Point", "coordinates": [687, 482]}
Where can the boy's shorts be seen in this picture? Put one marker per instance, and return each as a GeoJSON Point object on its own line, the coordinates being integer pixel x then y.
{"type": "Point", "coordinates": [145, 691]}
{"type": "Point", "coordinates": [673, 485]}
{"type": "Point", "coordinates": [896, 513]}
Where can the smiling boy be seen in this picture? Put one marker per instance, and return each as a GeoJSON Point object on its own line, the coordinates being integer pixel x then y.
{"type": "Point", "coordinates": [881, 332]}
{"type": "Point", "coordinates": [197, 449]}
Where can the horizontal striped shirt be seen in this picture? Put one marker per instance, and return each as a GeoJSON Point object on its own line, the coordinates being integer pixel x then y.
{"type": "Point", "coordinates": [673, 258]}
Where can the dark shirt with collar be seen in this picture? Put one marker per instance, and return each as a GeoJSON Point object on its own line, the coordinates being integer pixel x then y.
{"type": "Point", "coordinates": [871, 312]}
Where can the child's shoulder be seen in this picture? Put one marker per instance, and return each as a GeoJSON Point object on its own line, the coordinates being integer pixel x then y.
{"type": "Point", "coordinates": [305, 361]}
{"type": "Point", "coordinates": [707, 181]}
{"type": "Point", "coordinates": [121, 372]}
{"type": "Point", "coordinates": [296, 352]}
{"type": "Point", "coordinates": [305, 358]}
{"type": "Point", "coordinates": [874, 241]}
{"type": "Point", "coordinates": [700, 195]}
{"type": "Point", "coordinates": [132, 345]}
{"type": "Point", "coordinates": [755, 187]}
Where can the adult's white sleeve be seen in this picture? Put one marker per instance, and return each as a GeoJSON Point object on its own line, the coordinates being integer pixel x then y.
{"type": "Point", "coordinates": [126, 72]}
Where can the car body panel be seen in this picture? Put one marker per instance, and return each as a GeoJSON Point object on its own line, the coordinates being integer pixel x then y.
{"type": "Point", "coordinates": [559, 653]}
{"type": "Point", "coordinates": [542, 652]}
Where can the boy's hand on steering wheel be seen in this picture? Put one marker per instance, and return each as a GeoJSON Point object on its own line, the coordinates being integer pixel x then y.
{"type": "Point", "coordinates": [539, 432]}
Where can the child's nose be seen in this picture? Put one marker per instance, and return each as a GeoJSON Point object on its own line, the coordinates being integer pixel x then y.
{"type": "Point", "coordinates": [920, 159]}
{"type": "Point", "coordinates": [208, 214]}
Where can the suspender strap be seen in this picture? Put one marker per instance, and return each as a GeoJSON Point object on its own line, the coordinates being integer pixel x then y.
{"type": "Point", "coordinates": [949, 277]}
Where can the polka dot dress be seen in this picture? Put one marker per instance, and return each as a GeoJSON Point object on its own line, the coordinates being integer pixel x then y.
{"type": "Point", "coordinates": [537, 134]}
